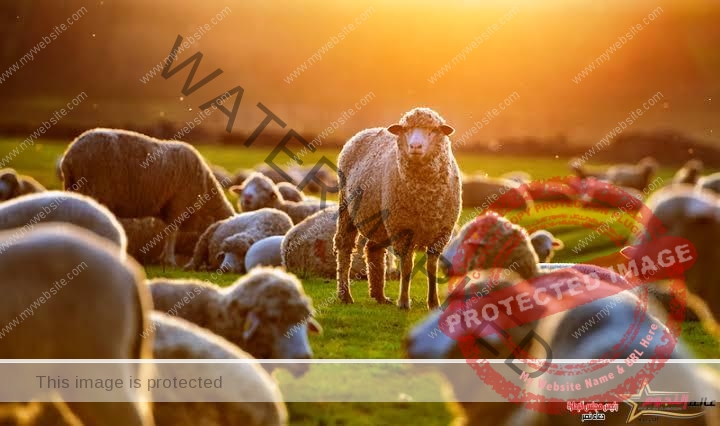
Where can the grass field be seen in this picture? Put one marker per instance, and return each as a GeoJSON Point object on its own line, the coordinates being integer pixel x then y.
{"type": "Point", "coordinates": [367, 330]}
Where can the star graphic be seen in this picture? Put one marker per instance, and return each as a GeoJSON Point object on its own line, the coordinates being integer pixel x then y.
{"type": "Point", "coordinates": [642, 395]}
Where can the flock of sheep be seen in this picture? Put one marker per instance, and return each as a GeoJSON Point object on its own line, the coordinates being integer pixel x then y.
{"type": "Point", "coordinates": [400, 191]}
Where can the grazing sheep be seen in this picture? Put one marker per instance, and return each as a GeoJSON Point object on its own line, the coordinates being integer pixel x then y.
{"type": "Point", "coordinates": [576, 166]}
{"type": "Point", "coordinates": [424, 342]}
{"type": "Point", "coordinates": [258, 191]}
{"type": "Point", "coordinates": [710, 182]}
{"type": "Point", "coordinates": [73, 322]}
{"type": "Point", "coordinates": [497, 243]}
{"type": "Point", "coordinates": [148, 178]}
{"type": "Point", "coordinates": [58, 206]}
{"type": "Point", "coordinates": [266, 252]}
{"type": "Point", "coordinates": [415, 204]}
{"type": "Point", "coordinates": [689, 173]}
{"type": "Point", "coordinates": [289, 192]}
{"type": "Point", "coordinates": [176, 338]}
{"type": "Point", "coordinates": [225, 243]}
{"type": "Point", "coordinates": [223, 177]}
{"type": "Point", "coordinates": [545, 245]}
{"type": "Point", "coordinates": [13, 185]}
{"type": "Point", "coordinates": [694, 216]}
{"type": "Point", "coordinates": [266, 312]}
{"type": "Point", "coordinates": [489, 193]}
{"type": "Point", "coordinates": [636, 176]}
{"type": "Point", "coordinates": [307, 250]}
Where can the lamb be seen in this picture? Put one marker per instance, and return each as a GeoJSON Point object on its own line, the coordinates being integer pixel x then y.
{"type": "Point", "coordinates": [266, 312]}
{"type": "Point", "coordinates": [58, 206]}
{"type": "Point", "coordinates": [258, 191]}
{"type": "Point", "coordinates": [266, 252]}
{"type": "Point", "coordinates": [633, 176]}
{"type": "Point", "coordinates": [148, 178]}
{"type": "Point", "coordinates": [289, 192]}
{"type": "Point", "coordinates": [225, 243]}
{"type": "Point", "coordinates": [13, 185]}
{"type": "Point", "coordinates": [74, 324]}
{"type": "Point", "coordinates": [710, 182]}
{"type": "Point", "coordinates": [545, 245]}
{"type": "Point", "coordinates": [689, 173]}
{"type": "Point", "coordinates": [414, 206]}
{"type": "Point", "coordinates": [176, 338]}
{"type": "Point", "coordinates": [557, 330]}
{"type": "Point", "coordinates": [307, 249]}
{"type": "Point", "coordinates": [489, 193]}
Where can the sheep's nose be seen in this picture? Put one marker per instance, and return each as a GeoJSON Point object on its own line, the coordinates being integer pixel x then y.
{"type": "Point", "coordinates": [415, 146]}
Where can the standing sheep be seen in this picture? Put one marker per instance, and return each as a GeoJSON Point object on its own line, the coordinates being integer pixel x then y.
{"type": "Point", "coordinates": [258, 191]}
{"type": "Point", "coordinates": [307, 249]}
{"type": "Point", "coordinates": [710, 183]}
{"type": "Point", "coordinates": [414, 206]}
{"type": "Point", "coordinates": [266, 312]}
{"type": "Point", "coordinates": [99, 315]}
{"type": "Point", "coordinates": [138, 176]}
{"type": "Point", "coordinates": [225, 243]}
{"type": "Point", "coordinates": [689, 173]}
{"type": "Point", "coordinates": [636, 176]}
{"type": "Point", "coordinates": [176, 338]}
{"type": "Point", "coordinates": [13, 185]}
{"type": "Point", "coordinates": [545, 245]}
{"type": "Point", "coordinates": [57, 206]}
{"type": "Point", "coordinates": [266, 252]}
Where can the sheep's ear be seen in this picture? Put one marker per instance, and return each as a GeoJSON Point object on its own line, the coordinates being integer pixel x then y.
{"type": "Point", "coordinates": [557, 244]}
{"type": "Point", "coordinates": [629, 252]}
{"type": "Point", "coordinates": [395, 129]}
{"type": "Point", "coordinates": [447, 130]}
{"type": "Point", "coordinates": [236, 189]}
{"type": "Point", "coordinates": [252, 323]}
{"type": "Point", "coordinates": [314, 326]}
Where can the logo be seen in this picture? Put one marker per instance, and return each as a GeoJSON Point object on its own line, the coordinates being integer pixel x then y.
{"type": "Point", "coordinates": [591, 410]}
{"type": "Point", "coordinates": [482, 323]}
{"type": "Point", "coordinates": [663, 404]}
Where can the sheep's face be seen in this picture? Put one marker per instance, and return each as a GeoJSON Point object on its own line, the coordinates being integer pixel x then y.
{"type": "Point", "coordinates": [545, 247]}
{"type": "Point", "coordinates": [256, 193]}
{"type": "Point", "coordinates": [8, 185]}
{"type": "Point", "coordinates": [420, 143]}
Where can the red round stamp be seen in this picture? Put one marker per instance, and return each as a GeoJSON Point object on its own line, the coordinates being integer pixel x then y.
{"type": "Point", "coordinates": [509, 314]}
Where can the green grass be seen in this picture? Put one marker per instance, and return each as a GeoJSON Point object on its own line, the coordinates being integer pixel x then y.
{"type": "Point", "coordinates": [365, 329]}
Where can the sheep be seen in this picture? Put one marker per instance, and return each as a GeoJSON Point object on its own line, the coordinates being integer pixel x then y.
{"type": "Point", "coordinates": [258, 191]}
{"type": "Point", "coordinates": [266, 312]}
{"type": "Point", "coordinates": [176, 338]}
{"type": "Point", "coordinates": [545, 245]}
{"type": "Point", "coordinates": [633, 176]}
{"type": "Point", "coordinates": [689, 173]}
{"type": "Point", "coordinates": [695, 216]}
{"type": "Point", "coordinates": [600, 194]}
{"type": "Point", "coordinates": [495, 242]}
{"type": "Point", "coordinates": [424, 342]}
{"type": "Point", "coordinates": [140, 233]}
{"type": "Point", "coordinates": [518, 176]}
{"type": "Point", "coordinates": [307, 249]}
{"type": "Point", "coordinates": [148, 178]}
{"type": "Point", "coordinates": [289, 192]}
{"type": "Point", "coordinates": [266, 252]}
{"type": "Point", "coordinates": [553, 190]}
{"type": "Point", "coordinates": [58, 206]}
{"type": "Point", "coordinates": [710, 182]}
{"type": "Point", "coordinates": [489, 193]}
{"type": "Point", "coordinates": [416, 201]}
{"type": "Point", "coordinates": [74, 322]}
{"type": "Point", "coordinates": [225, 243]}
{"type": "Point", "coordinates": [13, 185]}
{"type": "Point", "coordinates": [222, 176]}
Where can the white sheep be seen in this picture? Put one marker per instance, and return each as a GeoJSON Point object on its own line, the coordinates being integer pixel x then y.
{"type": "Point", "coordinates": [266, 252]}
{"type": "Point", "coordinates": [225, 243]}
{"type": "Point", "coordinates": [57, 206]}
{"type": "Point", "coordinates": [266, 312]}
{"type": "Point", "coordinates": [416, 202]}
{"type": "Point", "coordinates": [138, 176]}
{"type": "Point", "coordinates": [91, 304]}
{"type": "Point", "coordinates": [176, 338]}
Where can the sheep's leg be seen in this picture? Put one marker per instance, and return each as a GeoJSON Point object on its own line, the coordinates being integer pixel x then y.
{"type": "Point", "coordinates": [169, 250]}
{"type": "Point", "coordinates": [406, 267]}
{"type": "Point", "coordinates": [432, 264]}
{"type": "Point", "coordinates": [344, 242]}
{"type": "Point", "coordinates": [375, 258]}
